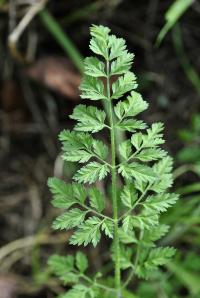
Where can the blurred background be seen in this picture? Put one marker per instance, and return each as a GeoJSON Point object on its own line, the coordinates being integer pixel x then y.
{"type": "Point", "coordinates": [41, 48]}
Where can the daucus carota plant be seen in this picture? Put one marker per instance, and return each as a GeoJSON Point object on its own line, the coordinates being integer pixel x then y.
{"type": "Point", "coordinates": [139, 181]}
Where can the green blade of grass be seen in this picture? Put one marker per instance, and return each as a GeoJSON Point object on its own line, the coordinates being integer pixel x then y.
{"type": "Point", "coordinates": [186, 277]}
{"type": "Point", "coordinates": [191, 188]}
{"type": "Point", "coordinates": [190, 72]}
{"type": "Point", "coordinates": [61, 37]}
{"type": "Point", "coordinates": [173, 14]}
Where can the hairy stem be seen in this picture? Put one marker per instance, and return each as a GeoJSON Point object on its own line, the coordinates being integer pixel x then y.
{"type": "Point", "coordinates": [114, 192]}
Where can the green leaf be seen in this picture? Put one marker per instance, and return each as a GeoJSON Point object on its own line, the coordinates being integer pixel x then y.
{"type": "Point", "coordinates": [150, 154]}
{"type": "Point", "coordinates": [125, 257]}
{"type": "Point", "coordinates": [108, 228]}
{"type": "Point", "coordinates": [92, 88]}
{"type": "Point", "coordinates": [159, 256]}
{"type": "Point", "coordinates": [81, 262]}
{"type": "Point", "coordinates": [156, 257]}
{"type": "Point", "coordinates": [144, 220]}
{"type": "Point", "coordinates": [123, 85]}
{"type": "Point", "coordinates": [76, 146]}
{"type": "Point", "coordinates": [69, 278]}
{"type": "Point", "coordinates": [100, 149]}
{"type": "Point", "coordinates": [91, 173]}
{"type": "Point", "coordinates": [79, 191]}
{"type": "Point", "coordinates": [81, 156]}
{"type": "Point", "coordinates": [163, 168]}
{"type": "Point", "coordinates": [122, 64]}
{"type": "Point", "coordinates": [62, 193]}
{"type": "Point", "coordinates": [100, 32]}
{"type": "Point", "coordinates": [154, 234]}
{"type": "Point", "coordinates": [127, 223]}
{"type": "Point", "coordinates": [125, 149]}
{"type": "Point", "coordinates": [69, 219]}
{"type": "Point", "coordinates": [117, 47]}
{"type": "Point", "coordinates": [131, 125]}
{"type": "Point", "coordinates": [154, 136]}
{"type": "Point", "coordinates": [96, 199]}
{"type": "Point", "coordinates": [131, 107]}
{"type": "Point", "coordinates": [88, 232]}
{"type": "Point", "coordinates": [139, 172]}
{"type": "Point", "coordinates": [140, 185]}
{"type": "Point", "coordinates": [94, 67]}
{"type": "Point", "coordinates": [80, 291]}
{"type": "Point", "coordinates": [129, 196]}
{"type": "Point", "coordinates": [137, 140]}
{"type": "Point", "coordinates": [61, 265]}
{"type": "Point", "coordinates": [89, 118]}
{"type": "Point", "coordinates": [160, 202]}
{"type": "Point", "coordinates": [127, 237]}
{"type": "Point", "coordinates": [72, 140]}
{"type": "Point", "coordinates": [98, 43]}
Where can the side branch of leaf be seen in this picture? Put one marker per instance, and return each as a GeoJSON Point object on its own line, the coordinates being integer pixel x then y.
{"type": "Point", "coordinates": [137, 202]}
{"type": "Point", "coordinates": [95, 212]}
{"type": "Point", "coordinates": [126, 161]}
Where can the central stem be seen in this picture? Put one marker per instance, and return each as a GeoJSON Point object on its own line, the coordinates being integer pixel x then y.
{"type": "Point", "coordinates": [114, 192]}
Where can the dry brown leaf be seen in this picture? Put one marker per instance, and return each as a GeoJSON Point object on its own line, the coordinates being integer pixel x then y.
{"type": "Point", "coordinates": [58, 74]}
{"type": "Point", "coordinates": [8, 287]}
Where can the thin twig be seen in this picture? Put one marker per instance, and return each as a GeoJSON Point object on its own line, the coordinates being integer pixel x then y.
{"type": "Point", "coordinates": [13, 38]}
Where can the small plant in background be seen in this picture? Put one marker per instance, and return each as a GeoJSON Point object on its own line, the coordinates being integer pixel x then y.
{"type": "Point", "coordinates": [183, 272]}
{"type": "Point", "coordinates": [191, 138]}
{"type": "Point", "coordinates": [189, 156]}
{"type": "Point", "coordinates": [139, 182]}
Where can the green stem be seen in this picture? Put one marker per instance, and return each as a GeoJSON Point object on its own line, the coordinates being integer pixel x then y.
{"type": "Point", "coordinates": [95, 212]}
{"type": "Point", "coordinates": [114, 192]}
{"type": "Point", "coordinates": [89, 280]}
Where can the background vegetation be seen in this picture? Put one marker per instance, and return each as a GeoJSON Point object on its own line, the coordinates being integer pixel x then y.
{"type": "Point", "coordinates": [41, 50]}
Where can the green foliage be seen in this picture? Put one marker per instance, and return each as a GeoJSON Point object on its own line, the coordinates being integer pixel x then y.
{"type": "Point", "coordinates": [97, 199]}
{"type": "Point", "coordinates": [172, 16]}
{"type": "Point", "coordinates": [146, 170]}
{"type": "Point", "coordinates": [91, 173]}
{"type": "Point", "coordinates": [81, 262]}
{"type": "Point", "coordinates": [130, 107]}
{"type": "Point", "coordinates": [156, 257]}
{"type": "Point", "coordinates": [70, 219]}
{"type": "Point", "coordinates": [90, 118]}
{"type": "Point", "coordinates": [190, 153]}
{"type": "Point", "coordinates": [88, 232]}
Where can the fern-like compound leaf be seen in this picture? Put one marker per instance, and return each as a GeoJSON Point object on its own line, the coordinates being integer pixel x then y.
{"type": "Point", "coordinates": [145, 167]}
{"type": "Point", "coordinates": [89, 118]}
{"type": "Point", "coordinates": [69, 219]}
{"type": "Point", "coordinates": [94, 67]}
{"type": "Point", "coordinates": [88, 232]}
{"type": "Point", "coordinates": [81, 262]}
{"type": "Point", "coordinates": [91, 173]}
{"type": "Point", "coordinates": [123, 85]}
{"type": "Point", "coordinates": [62, 193]}
{"type": "Point", "coordinates": [130, 107]}
{"type": "Point", "coordinates": [96, 199]}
